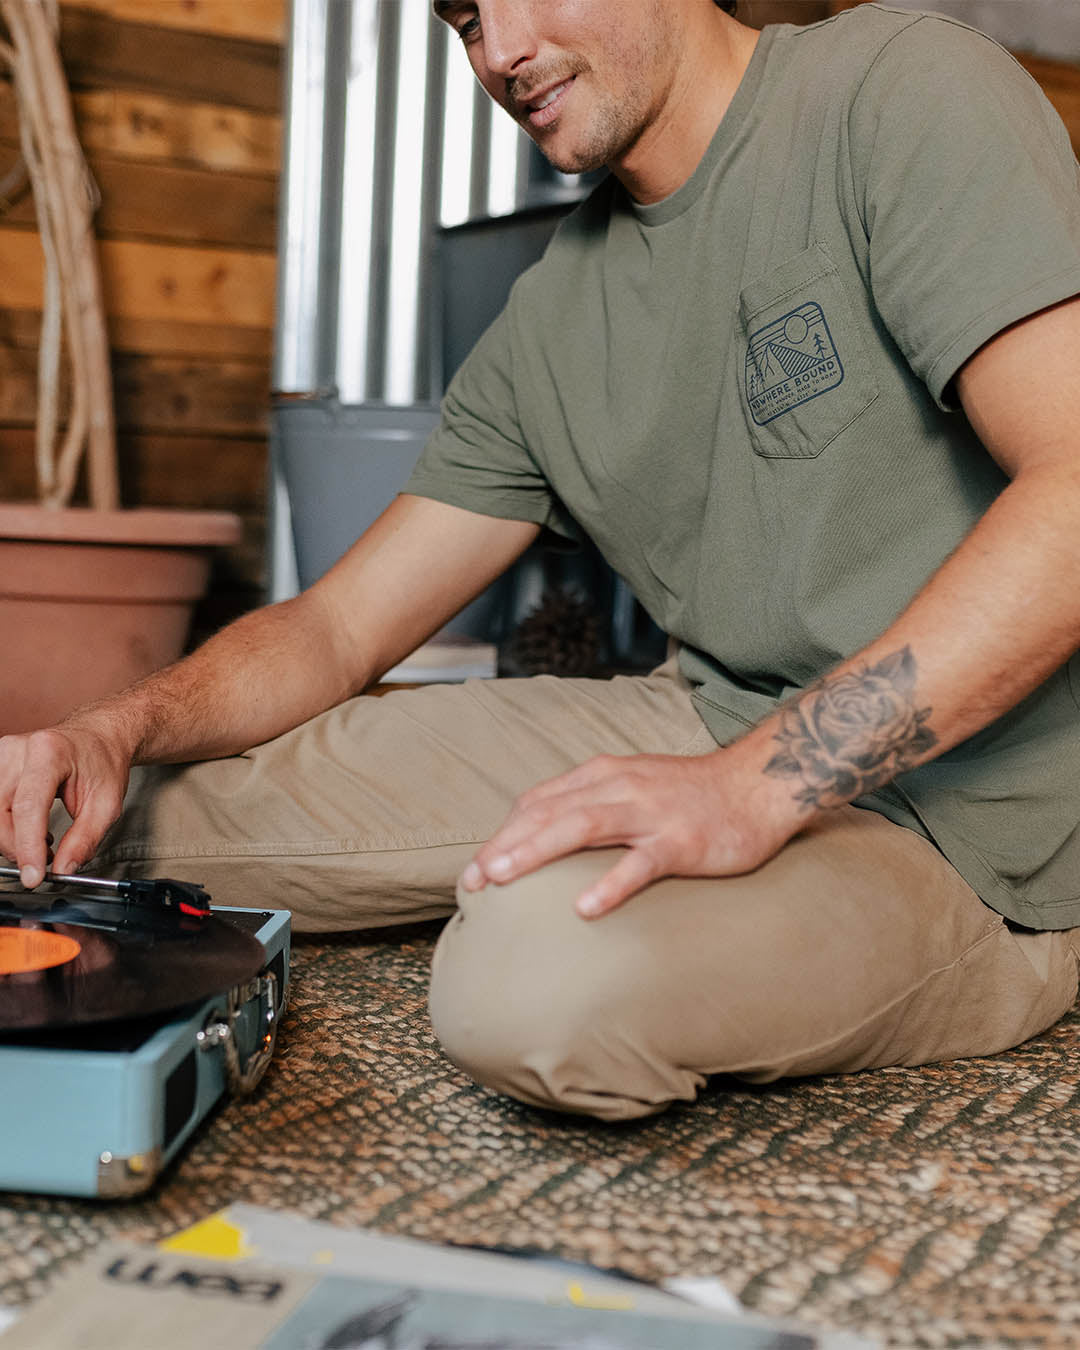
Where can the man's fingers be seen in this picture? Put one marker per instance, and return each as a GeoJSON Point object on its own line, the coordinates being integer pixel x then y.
{"type": "Point", "coordinates": [537, 836]}
{"type": "Point", "coordinates": [38, 767]}
{"type": "Point", "coordinates": [657, 806]}
{"type": "Point", "coordinates": [593, 805]}
{"type": "Point", "coordinates": [510, 854]}
{"type": "Point", "coordinates": [490, 861]}
{"type": "Point", "coordinates": [632, 873]}
{"type": "Point", "coordinates": [593, 771]}
{"type": "Point", "coordinates": [81, 841]}
{"type": "Point", "coordinates": [30, 819]}
{"type": "Point", "coordinates": [45, 767]}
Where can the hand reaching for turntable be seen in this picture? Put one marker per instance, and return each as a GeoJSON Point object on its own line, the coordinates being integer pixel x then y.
{"type": "Point", "coordinates": [78, 765]}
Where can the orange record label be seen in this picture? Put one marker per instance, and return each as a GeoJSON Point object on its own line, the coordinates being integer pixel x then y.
{"type": "Point", "coordinates": [25, 949]}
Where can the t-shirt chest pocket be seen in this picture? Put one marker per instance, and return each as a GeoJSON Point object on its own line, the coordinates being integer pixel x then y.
{"type": "Point", "coordinates": [804, 375]}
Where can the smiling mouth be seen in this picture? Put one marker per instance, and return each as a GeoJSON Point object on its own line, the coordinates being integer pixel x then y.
{"type": "Point", "coordinates": [549, 97]}
{"type": "Point", "coordinates": [542, 111]}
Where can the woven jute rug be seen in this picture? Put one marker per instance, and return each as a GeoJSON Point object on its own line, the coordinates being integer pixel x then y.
{"type": "Point", "coordinates": [928, 1207]}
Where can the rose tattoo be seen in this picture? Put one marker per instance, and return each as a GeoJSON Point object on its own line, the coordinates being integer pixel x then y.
{"type": "Point", "coordinates": [850, 734]}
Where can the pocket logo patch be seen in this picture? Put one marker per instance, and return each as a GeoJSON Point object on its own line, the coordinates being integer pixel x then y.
{"type": "Point", "coordinates": [790, 361]}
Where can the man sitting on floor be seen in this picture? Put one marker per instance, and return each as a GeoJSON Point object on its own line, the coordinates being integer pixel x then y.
{"type": "Point", "coordinates": [805, 367]}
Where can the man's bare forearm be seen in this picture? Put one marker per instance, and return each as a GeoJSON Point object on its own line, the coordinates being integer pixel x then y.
{"type": "Point", "coordinates": [263, 675]}
{"type": "Point", "coordinates": [260, 677]}
{"type": "Point", "coordinates": [853, 732]}
{"type": "Point", "coordinates": [280, 666]}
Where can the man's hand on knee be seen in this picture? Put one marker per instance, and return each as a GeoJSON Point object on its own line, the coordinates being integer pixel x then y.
{"type": "Point", "coordinates": [78, 765]}
{"type": "Point", "coordinates": [677, 816]}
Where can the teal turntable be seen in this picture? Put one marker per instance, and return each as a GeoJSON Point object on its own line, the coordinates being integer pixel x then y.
{"type": "Point", "coordinates": [128, 1010]}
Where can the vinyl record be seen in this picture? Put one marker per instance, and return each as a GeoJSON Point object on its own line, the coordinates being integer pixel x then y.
{"type": "Point", "coordinates": [74, 959]}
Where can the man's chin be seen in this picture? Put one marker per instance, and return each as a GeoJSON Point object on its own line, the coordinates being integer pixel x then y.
{"type": "Point", "coordinates": [567, 161]}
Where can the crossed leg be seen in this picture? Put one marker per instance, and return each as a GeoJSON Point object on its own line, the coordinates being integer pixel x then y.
{"type": "Point", "coordinates": [857, 946]}
{"type": "Point", "coordinates": [365, 815]}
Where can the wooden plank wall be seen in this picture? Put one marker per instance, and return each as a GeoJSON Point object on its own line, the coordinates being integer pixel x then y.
{"type": "Point", "coordinates": [1061, 84]}
{"type": "Point", "coordinates": [178, 105]}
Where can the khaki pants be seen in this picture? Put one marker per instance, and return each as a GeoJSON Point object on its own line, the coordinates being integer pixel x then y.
{"type": "Point", "coordinates": [857, 946]}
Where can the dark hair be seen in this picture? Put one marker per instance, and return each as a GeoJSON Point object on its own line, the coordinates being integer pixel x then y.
{"type": "Point", "coordinates": [728, 6]}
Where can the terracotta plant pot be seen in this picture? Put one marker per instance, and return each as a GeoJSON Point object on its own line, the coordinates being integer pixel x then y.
{"type": "Point", "coordinates": [92, 600]}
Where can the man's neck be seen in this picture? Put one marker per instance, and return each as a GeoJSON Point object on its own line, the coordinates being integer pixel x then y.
{"type": "Point", "coordinates": [671, 148]}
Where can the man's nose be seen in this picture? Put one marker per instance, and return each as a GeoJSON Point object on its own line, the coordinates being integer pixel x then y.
{"type": "Point", "coordinates": [509, 34]}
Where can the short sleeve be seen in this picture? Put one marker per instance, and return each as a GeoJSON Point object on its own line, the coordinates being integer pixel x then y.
{"type": "Point", "coordinates": [969, 192]}
{"type": "Point", "coordinates": [477, 457]}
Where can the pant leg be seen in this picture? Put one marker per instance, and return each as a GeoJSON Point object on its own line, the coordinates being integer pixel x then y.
{"type": "Point", "coordinates": [857, 946]}
{"type": "Point", "coordinates": [366, 815]}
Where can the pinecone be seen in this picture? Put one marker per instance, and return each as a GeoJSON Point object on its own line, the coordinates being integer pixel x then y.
{"type": "Point", "coordinates": [561, 636]}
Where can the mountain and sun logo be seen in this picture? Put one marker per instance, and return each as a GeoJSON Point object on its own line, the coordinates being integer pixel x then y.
{"type": "Point", "coordinates": [790, 361]}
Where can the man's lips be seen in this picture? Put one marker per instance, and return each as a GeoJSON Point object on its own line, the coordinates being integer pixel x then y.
{"type": "Point", "coordinates": [542, 107]}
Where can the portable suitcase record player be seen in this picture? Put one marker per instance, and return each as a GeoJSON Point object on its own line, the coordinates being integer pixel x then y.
{"type": "Point", "coordinates": [127, 1010]}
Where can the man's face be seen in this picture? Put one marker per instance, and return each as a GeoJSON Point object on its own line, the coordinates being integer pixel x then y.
{"type": "Point", "coordinates": [584, 78]}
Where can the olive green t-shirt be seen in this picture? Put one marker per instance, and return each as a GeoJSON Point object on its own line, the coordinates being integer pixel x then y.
{"type": "Point", "coordinates": [742, 394]}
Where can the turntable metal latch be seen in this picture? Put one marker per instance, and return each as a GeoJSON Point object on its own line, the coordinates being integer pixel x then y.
{"type": "Point", "coordinates": [220, 1030]}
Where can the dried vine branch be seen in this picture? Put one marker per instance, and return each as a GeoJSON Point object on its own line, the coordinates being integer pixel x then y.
{"type": "Point", "coordinates": [15, 181]}
{"type": "Point", "coordinates": [65, 200]}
